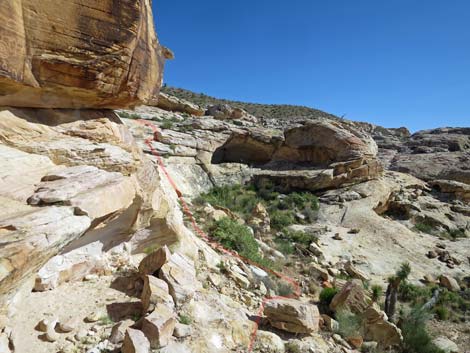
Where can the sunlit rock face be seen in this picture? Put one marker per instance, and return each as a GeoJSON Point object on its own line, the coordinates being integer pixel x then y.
{"type": "Point", "coordinates": [86, 54]}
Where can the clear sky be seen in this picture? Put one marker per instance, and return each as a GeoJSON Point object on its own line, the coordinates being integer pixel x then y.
{"type": "Point", "coordinates": [389, 62]}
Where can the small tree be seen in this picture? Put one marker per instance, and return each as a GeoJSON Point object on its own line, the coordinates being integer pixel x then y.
{"type": "Point", "coordinates": [394, 282]}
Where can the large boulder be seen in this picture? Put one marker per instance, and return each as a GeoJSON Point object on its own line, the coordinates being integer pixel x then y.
{"type": "Point", "coordinates": [174, 104]}
{"type": "Point", "coordinates": [292, 315]}
{"type": "Point", "coordinates": [84, 54]}
{"type": "Point", "coordinates": [446, 345]}
{"type": "Point", "coordinates": [158, 326]}
{"type": "Point", "coordinates": [180, 274]}
{"type": "Point", "coordinates": [323, 142]}
{"type": "Point", "coordinates": [352, 297]}
{"type": "Point", "coordinates": [431, 166]}
{"type": "Point", "coordinates": [377, 328]}
{"type": "Point", "coordinates": [135, 342]}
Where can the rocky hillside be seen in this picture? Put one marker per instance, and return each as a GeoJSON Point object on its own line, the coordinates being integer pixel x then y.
{"type": "Point", "coordinates": [211, 226]}
{"type": "Point", "coordinates": [273, 111]}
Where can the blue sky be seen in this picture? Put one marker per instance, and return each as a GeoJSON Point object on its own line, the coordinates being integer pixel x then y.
{"type": "Point", "coordinates": [389, 62]}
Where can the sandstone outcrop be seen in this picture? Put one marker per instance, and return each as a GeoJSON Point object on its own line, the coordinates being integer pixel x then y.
{"type": "Point", "coordinates": [75, 189]}
{"type": "Point", "coordinates": [439, 165]}
{"type": "Point", "coordinates": [87, 55]}
{"type": "Point", "coordinates": [352, 297]}
{"type": "Point", "coordinates": [292, 315]}
{"type": "Point", "coordinates": [173, 104]}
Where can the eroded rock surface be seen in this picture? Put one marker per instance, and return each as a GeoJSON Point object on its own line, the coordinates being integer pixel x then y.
{"type": "Point", "coordinates": [87, 55]}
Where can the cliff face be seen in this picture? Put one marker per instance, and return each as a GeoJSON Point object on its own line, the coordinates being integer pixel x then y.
{"type": "Point", "coordinates": [73, 183]}
{"type": "Point", "coordinates": [87, 54]}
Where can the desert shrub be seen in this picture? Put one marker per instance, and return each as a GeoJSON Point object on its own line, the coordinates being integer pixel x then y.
{"type": "Point", "coordinates": [454, 234]}
{"type": "Point", "coordinates": [167, 124]}
{"type": "Point", "coordinates": [416, 338]}
{"type": "Point", "coordinates": [267, 191]}
{"type": "Point", "coordinates": [327, 295]}
{"type": "Point", "coordinates": [284, 289]}
{"type": "Point", "coordinates": [281, 219]}
{"type": "Point", "coordinates": [184, 319]}
{"type": "Point", "coordinates": [293, 347]}
{"type": "Point", "coordinates": [105, 320]}
{"type": "Point", "coordinates": [186, 128]}
{"type": "Point", "coordinates": [408, 292]}
{"type": "Point", "coordinates": [282, 209]}
{"type": "Point", "coordinates": [457, 304]}
{"type": "Point", "coordinates": [423, 227]}
{"type": "Point", "coordinates": [235, 236]}
{"type": "Point", "coordinates": [126, 115]}
{"type": "Point", "coordinates": [302, 200]}
{"type": "Point", "coordinates": [349, 324]}
{"type": "Point", "coordinates": [299, 237]}
{"type": "Point", "coordinates": [284, 246]}
{"type": "Point", "coordinates": [442, 313]}
{"type": "Point", "coordinates": [376, 292]}
{"type": "Point", "coordinates": [237, 198]}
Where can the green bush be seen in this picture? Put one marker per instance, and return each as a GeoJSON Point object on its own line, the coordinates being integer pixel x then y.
{"type": "Point", "coordinates": [376, 292]}
{"type": "Point", "coordinates": [126, 115]}
{"type": "Point", "coordinates": [284, 289]}
{"type": "Point", "coordinates": [349, 324]}
{"type": "Point", "coordinates": [327, 295]}
{"type": "Point", "coordinates": [416, 338]}
{"type": "Point", "coordinates": [299, 237]}
{"type": "Point", "coordinates": [293, 347]}
{"type": "Point", "coordinates": [408, 292]}
{"type": "Point", "coordinates": [454, 234]}
{"type": "Point", "coordinates": [442, 313]}
{"type": "Point", "coordinates": [281, 219]}
{"type": "Point", "coordinates": [167, 124]}
{"type": "Point", "coordinates": [302, 200]}
{"type": "Point", "coordinates": [237, 198]}
{"type": "Point", "coordinates": [423, 227]}
{"type": "Point", "coordinates": [284, 246]}
{"type": "Point", "coordinates": [242, 199]}
{"type": "Point", "coordinates": [184, 319]}
{"type": "Point", "coordinates": [235, 236]}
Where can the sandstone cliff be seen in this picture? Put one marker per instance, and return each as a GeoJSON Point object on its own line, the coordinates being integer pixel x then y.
{"type": "Point", "coordinates": [87, 54]}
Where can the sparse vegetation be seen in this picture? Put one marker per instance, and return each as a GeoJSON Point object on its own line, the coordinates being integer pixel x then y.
{"type": "Point", "coordinates": [299, 237]}
{"type": "Point", "coordinates": [235, 236]}
{"type": "Point", "coordinates": [281, 219]}
{"type": "Point", "coordinates": [284, 246]}
{"type": "Point", "coordinates": [167, 124]}
{"type": "Point", "coordinates": [105, 320]}
{"type": "Point", "coordinates": [327, 295]}
{"type": "Point", "coordinates": [237, 198]}
{"type": "Point", "coordinates": [416, 338]}
{"type": "Point", "coordinates": [454, 234]}
{"type": "Point", "coordinates": [349, 324]}
{"type": "Point", "coordinates": [424, 228]}
{"type": "Point", "coordinates": [150, 249]}
{"type": "Point", "coordinates": [292, 347]}
{"type": "Point", "coordinates": [442, 313]}
{"type": "Point", "coordinates": [414, 294]}
{"type": "Point", "coordinates": [376, 292]}
{"type": "Point", "coordinates": [185, 319]}
{"type": "Point", "coordinates": [281, 208]}
{"type": "Point", "coordinates": [126, 115]}
{"type": "Point", "coordinates": [258, 110]}
{"type": "Point", "coordinates": [284, 289]}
